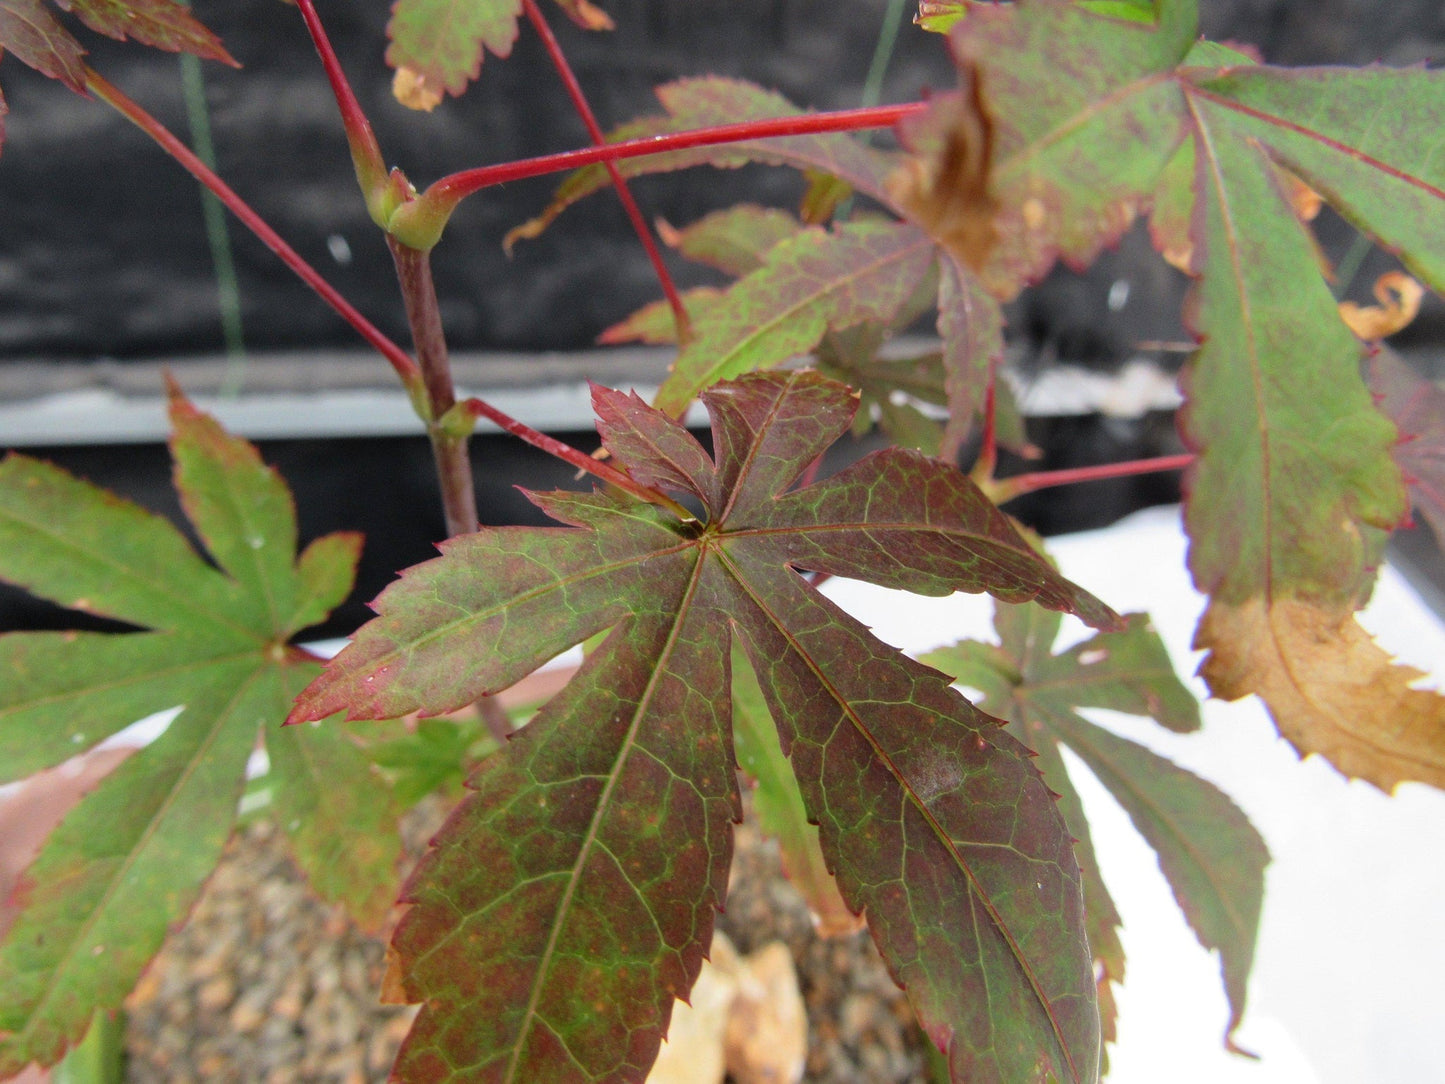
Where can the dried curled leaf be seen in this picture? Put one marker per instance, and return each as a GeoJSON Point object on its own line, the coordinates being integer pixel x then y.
{"type": "Point", "coordinates": [587, 15]}
{"type": "Point", "coordinates": [1331, 689]}
{"type": "Point", "coordinates": [1399, 298]}
{"type": "Point", "coordinates": [411, 88]}
{"type": "Point", "coordinates": [944, 187]}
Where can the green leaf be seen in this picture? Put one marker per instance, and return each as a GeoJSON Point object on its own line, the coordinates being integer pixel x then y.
{"type": "Point", "coordinates": [124, 865]}
{"type": "Point", "coordinates": [1212, 857]}
{"type": "Point", "coordinates": [778, 804]}
{"type": "Point", "coordinates": [442, 43]}
{"type": "Point", "coordinates": [734, 240]}
{"type": "Point", "coordinates": [888, 389]}
{"type": "Point", "coordinates": [569, 902]}
{"type": "Point", "coordinates": [1085, 112]}
{"type": "Point", "coordinates": [66, 692]}
{"type": "Point", "coordinates": [434, 757]}
{"type": "Point", "coordinates": [241, 509]}
{"type": "Point", "coordinates": [339, 816]}
{"type": "Point", "coordinates": [655, 323]}
{"type": "Point", "coordinates": [78, 546]}
{"type": "Point", "coordinates": [1094, 118]}
{"type": "Point", "coordinates": [127, 863]}
{"type": "Point", "coordinates": [862, 270]}
{"type": "Point", "coordinates": [713, 100]}
{"type": "Point", "coordinates": [940, 16]}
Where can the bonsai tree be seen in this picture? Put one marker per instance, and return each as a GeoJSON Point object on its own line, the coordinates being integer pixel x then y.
{"type": "Point", "coordinates": [569, 899]}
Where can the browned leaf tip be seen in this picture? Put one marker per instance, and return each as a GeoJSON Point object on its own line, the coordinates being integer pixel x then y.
{"type": "Point", "coordinates": [944, 185]}
{"type": "Point", "coordinates": [411, 88]}
{"type": "Point", "coordinates": [1330, 688]}
{"type": "Point", "coordinates": [1399, 299]}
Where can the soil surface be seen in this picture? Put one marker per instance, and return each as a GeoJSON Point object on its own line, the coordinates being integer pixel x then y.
{"type": "Point", "coordinates": [267, 984]}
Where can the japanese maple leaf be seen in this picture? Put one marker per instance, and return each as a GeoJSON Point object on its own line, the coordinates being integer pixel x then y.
{"type": "Point", "coordinates": [128, 861]}
{"type": "Point", "coordinates": [32, 34]}
{"type": "Point", "coordinates": [570, 899]}
{"type": "Point", "coordinates": [1211, 855]}
{"type": "Point", "coordinates": [779, 808]}
{"type": "Point", "coordinates": [1417, 407]}
{"type": "Point", "coordinates": [1096, 112]}
{"type": "Point", "coordinates": [735, 241]}
{"type": "Point", "coordinates": [437, 46]}
{"type": "Point", "coordinates": [810, 282]}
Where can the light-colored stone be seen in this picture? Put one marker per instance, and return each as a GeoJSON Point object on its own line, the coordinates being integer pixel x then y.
{"type": "Point", "coordinates": [693, 1050]}
{"type": "Point", "coordinates": [767, 1032]}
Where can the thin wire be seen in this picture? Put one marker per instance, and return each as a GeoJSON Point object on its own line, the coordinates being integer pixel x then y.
{"type": "Point", "coordinates": [883, 53]}
{"type": "Point", "coordinates": [218, 234]}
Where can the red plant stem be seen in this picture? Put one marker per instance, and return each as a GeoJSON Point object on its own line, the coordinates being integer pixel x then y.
{"type": "Point", "coordinates": [1008, 488]}
{"type": "Point", "coordinates": [598, 468]}
{"type": "Point", "coordinates": [365, 151]}
{"type": "Point", "coordinates": [449, 449]}
{"type": "Point", "coordinates": [456, 186]}
{"type": "Point", "coordinates": [112, 96]}
{"type": "Point", "coordinates": [407, 369]}
{"type": "Point", "coordinates": [594, 130]}
{"type": "Point", "coordinates": [988, 453]}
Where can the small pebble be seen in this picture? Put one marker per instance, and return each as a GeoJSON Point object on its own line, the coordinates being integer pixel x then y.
{"type": "Point", "coordinates": [265, 984]}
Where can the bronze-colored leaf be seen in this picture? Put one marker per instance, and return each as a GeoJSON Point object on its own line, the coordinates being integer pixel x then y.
{"type": "Point", "coordinates": [1399, 299]}
{"type": "Point", "coordinates": [1331, 689]}
{"type": "Point", "coordinates": [944, 187]}
{"type": "Point", "coordinates": [411, 88]}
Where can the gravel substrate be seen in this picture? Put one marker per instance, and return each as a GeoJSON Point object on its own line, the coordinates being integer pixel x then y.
{"type": "Point", "coordinates": [267, 985]}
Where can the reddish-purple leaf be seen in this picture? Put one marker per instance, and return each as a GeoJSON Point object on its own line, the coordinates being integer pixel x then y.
{"type": "Point", "coordinates": [162, 24]}
{"type": "Point", "coordinates": [971, 326]}
{"type": "Point", "coordinates": [1417, 407]}
{"type": "Point", "coordinates": [34, 37]}
{"type": "Point", "coordinates": [570, 900]}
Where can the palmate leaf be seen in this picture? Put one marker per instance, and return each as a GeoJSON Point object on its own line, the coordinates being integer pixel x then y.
{"type": "Point", "coordinates": [1095, 117]}
{"type": "Point", "coordinates": [440, 44]}
{"type": "Point", "coordinates": [33, 35]}
{"type": "Point", "coordinates": [797, 285]}
{"type": "Point", "coordinates": [862, 270]}
{"type": "Point", "coordinates": [734, 241]}
{"type": "Point", "coordinates": [1212, 857]}
{"type": "Point", "coordinates": [570, 899]}
{"type": "Point", "coordinates": [845, 340]}
{"type": "Point", "coordinates": [129, 860]}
